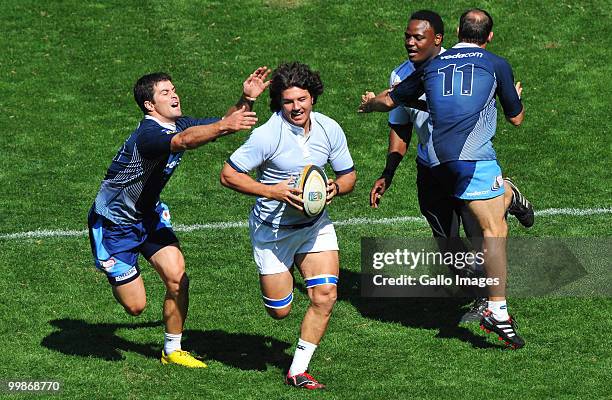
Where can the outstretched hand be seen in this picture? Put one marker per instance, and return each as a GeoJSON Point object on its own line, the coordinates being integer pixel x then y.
{"type": "Point", "coordinates": [256, 83]}
{"type": "Point", "coordinates": [240, 119]}
{"type": "Point", "coordinates": [365, 106]}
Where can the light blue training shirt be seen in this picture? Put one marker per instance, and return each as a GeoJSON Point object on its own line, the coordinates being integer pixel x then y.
{"type": "Point", "coordinates": [279, 150]}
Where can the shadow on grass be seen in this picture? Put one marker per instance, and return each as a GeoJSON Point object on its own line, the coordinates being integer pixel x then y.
{"type": "Point", "coordinates": [442, 314]}
{"type": "Point", "coordinates": [76, 337]}
{"type": "Point", "coordinates": [239, 350]}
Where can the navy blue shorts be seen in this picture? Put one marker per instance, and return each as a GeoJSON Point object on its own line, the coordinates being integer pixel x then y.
{"type": "Point", "coordinates": [115, 248]}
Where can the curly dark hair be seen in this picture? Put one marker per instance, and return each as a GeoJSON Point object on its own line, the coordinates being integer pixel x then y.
{"type": "Point", "coordinates": [292, 74]}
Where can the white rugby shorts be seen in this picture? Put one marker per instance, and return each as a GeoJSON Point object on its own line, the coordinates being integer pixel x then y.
{"type": "Point", "coordinates": [274, 249]}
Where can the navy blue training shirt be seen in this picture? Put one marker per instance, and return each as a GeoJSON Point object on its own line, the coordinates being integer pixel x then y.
{"type": "Point", "coordinates": [141, 169]}
{"type": "Point", "coordinates": [461, 85]}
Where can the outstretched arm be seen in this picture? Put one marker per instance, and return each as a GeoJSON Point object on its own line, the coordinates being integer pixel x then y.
{"type": "Point", "coordinates": [196, 136]}
{"type": "Point", "coordinates": [238, 117]}
{"type": "Point", "coordinates": [405, 93]}
{"type": "Point", "coordinates": [371, 102]}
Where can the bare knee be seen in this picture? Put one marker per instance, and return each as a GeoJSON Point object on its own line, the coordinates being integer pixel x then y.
{"type": "Point", "coordinates": [135, 308]}
{"type": "Point", "coordinates": [131, 296]}
{"type": "Point", "coordinates": [177, 283]}
{"type": "Point", "coordinates": [324, 297]}
{"type": "Point", "coordinates": [279, 313]}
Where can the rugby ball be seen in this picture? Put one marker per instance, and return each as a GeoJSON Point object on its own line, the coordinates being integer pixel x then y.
{"type": "Point", "coordinates": [313, 183]}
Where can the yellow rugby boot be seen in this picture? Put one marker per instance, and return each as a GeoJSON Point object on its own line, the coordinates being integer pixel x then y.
{"type": "Point", "coordinates": [182, 357]}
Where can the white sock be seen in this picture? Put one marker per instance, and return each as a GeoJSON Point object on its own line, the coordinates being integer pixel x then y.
{"type": "Point", "coordinates": [172, 342]}
{"type": "Point", "coordinates": [303, 353]}
{"type": "Point", "coordinates": [499, 309]}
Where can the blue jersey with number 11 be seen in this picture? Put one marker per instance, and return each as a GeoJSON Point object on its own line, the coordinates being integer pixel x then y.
{"type": "Point", "coordinates": [461, 85]}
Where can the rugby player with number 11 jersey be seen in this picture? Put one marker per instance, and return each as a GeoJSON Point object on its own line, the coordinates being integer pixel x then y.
{"type": "Point", "coordinates": [461, 86]}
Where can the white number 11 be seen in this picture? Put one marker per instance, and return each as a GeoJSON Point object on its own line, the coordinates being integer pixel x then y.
{"type": "Point", "coordinates": [467, 79]}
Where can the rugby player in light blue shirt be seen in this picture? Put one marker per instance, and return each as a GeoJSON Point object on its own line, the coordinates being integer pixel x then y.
{"type": "Point", "coordinates": [461, 85]}
{"type": "Point", "coordinates": [128, 218]}
{"type": "Point", "coordinates": [281, 234]}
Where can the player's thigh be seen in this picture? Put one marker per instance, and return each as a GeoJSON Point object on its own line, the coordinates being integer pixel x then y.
{"type": "Point", "coordinates": [320, 263]}
{"type": "Point", "coordinates": [114, 249]}
{"type": "Point", "coordinates": [470, 224]}
{"type": "Point", "coordinates": [441, 215]}
{"type": "Point", "coordinates": [436, 204]}
{"type": "Point", "coordinates": [476, 180]}
{"type": "Point", "coordinates": [169, 263]}
{"type": "Point", "coordinates": [489, 213]}
{"type": "Point", "coordinates": [318, 243]}
{"type": "Point", "coordinates": [161, 247]}
{"type": "Point", "coordinates": [276, 286]}
{"type": "Point", "coordinates": [273, 252]}
{"type": "Point", "coordinates": [480, 185]}
{"type": "Point", "coordinates": [132, 296]}
{"type": "Point", "coordinates": [273, 248]}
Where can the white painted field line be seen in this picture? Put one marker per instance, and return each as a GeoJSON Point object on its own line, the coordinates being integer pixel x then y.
{"type": "Point", "coordinates": [574, 211]}
{"type": "Point", "coordinates": [45, 233]}
{"type": "Point", "coordinates": [42, 233]}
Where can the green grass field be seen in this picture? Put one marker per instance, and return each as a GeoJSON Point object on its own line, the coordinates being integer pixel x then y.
{"type": "Point", "coordinates": [67, 69]}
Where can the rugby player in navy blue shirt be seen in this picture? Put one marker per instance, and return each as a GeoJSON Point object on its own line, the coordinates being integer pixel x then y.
{"type": "Point", "coordinates": [128, 218]}
{"type": "Point", "coordinates": [445, 214]}
{"type": "Point", "coordinates": [461, 86]}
